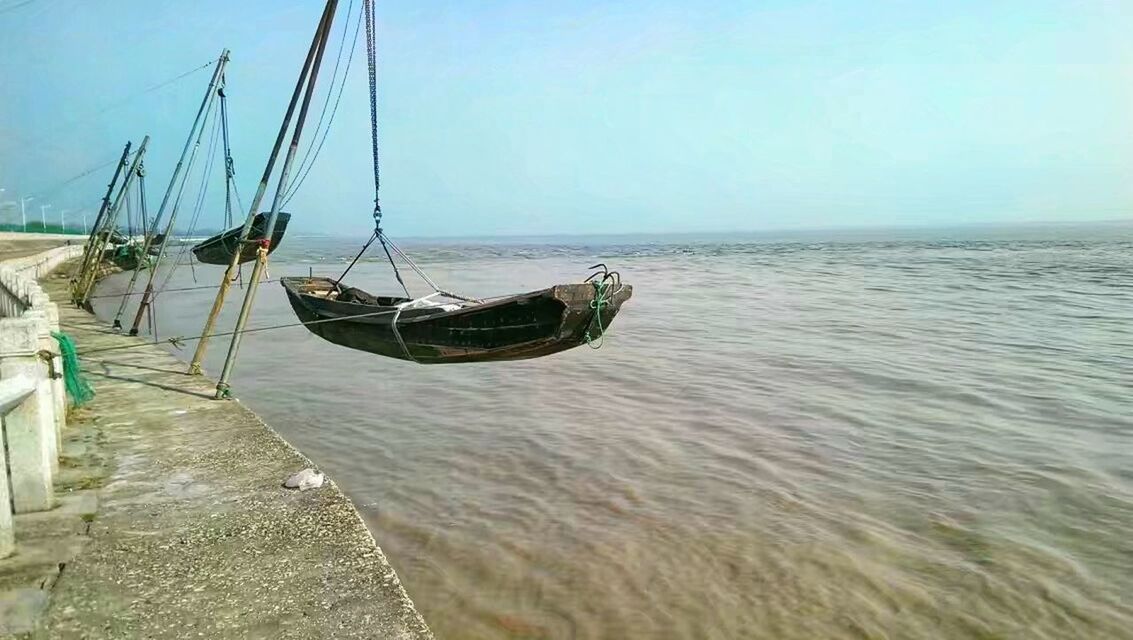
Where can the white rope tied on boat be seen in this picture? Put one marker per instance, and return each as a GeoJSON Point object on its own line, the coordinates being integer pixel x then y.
{"type": "Point", "coordinates": [397, 334]}
{"type": "Point", "coordinates": [397, 314]}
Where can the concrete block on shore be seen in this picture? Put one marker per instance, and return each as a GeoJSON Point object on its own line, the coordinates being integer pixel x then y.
{"type": "Point", "coordinates": [29, 429]}
{"type": "Point", "coordinates": [191, 534]}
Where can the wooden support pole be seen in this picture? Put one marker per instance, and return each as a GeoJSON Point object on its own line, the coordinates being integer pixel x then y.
{"type": "Point", "coordinates": [100, 242]}
{"type": "Point", "coordinates": [222, 390]}
{"type": "Point", "coordinates": [88, 252]}
{"type": "Point", "coordinates": [202, 115]}
{"type": "Point", "coordinates": [226, 281]}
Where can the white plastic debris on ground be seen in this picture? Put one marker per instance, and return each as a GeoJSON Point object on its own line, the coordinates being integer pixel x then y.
{"type": "Point", "coordinates": [305, 479]}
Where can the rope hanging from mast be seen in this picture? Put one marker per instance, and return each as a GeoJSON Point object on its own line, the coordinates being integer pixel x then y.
{"type": "Point", "coordinates": [129, 217]}
{"type": "Point", "coordinates": [202, 193]}
{"type": "Point", "coordinates": [142, 197]}
{"type": "Point", "coordinates": [316, 146]}
{"type": "Point", "coordinates": [229, 166]}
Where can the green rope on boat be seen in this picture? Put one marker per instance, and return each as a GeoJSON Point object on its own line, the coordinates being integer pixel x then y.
{"type": "Point", "coordinates": [600, 300]}
{"type": "Point", "coordinates": [77, 386]}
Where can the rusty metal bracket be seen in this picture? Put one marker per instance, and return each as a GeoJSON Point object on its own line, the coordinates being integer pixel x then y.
{"type": "Point", "coordinates": [49, 358]}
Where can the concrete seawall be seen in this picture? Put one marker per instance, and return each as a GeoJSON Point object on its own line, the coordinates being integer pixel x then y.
{"type": "Point", "coordinates": [172, 521]}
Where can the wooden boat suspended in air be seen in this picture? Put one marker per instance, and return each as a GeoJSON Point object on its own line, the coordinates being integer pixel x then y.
{"type": "Point", "coordinates": [443, 327]}
{"type": "Point", "coordinates": [429, 331]}
{"type": "Point", "coordinates": [220, 248]}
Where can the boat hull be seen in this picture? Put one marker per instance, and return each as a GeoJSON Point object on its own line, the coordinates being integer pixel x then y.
{"type": "Point", "coordinates": [127, 257]}
{"type": "Point", "coordinates": [220, 248]}
{"type": "Point", "coordinates": [155, 244]}
{"type": "Point", "coordinates": [519, 327]}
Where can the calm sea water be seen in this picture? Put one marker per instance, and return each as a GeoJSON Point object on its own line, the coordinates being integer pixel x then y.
{"type": "Point", "coordinates": [855, 435]}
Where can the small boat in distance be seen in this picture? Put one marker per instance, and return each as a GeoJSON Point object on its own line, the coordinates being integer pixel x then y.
{"type": "Point", "coordinates": [220, 248]}
{"type": "Point", "coordinates": [112, 237]}
{"type": "Point", "coordinates": [155, 244]}
{"type": "Point", "coordinates": [428, 331]}
{"type": "Point", "coordinates": [127, 257]}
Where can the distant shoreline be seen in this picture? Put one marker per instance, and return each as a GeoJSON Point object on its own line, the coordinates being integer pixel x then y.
{"type": "Point", "coordinates": [741, 233]}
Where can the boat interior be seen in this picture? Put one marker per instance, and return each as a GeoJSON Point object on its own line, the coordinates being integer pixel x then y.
{"type": "Point", "coordinates": [328, 289]}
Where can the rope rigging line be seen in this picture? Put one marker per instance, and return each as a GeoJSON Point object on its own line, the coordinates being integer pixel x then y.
{"type": "Point", "coordinates": [236, 194]}
{"type": "Point", "coordinates": [134, 199]}
{"type": "Point", "coordinates": [425, 276]}
{"type": "Point", "coordinates": [396, 272]}
{"type": "Point", "coordinates": [178, 340]}
{"type": "Point", "coordinates": [142, 199]}
{"type": "Point", "coordinates": [304, 166]}
{"type": "Point", "coordinates": [194, 288]}
{"type": "Point", "coordinates": [143, 213]}
{"type": "Point", "coordinates": [183, 181]}
{"type": "Point", "coordinates": [229, 165]}
{"type": "Point", "coordinates": [67, 126]}
{"type": "Point", "coordinates": [156, 87]}
{"type": "Point", "coordinates": [229, 168]}
{"type": "Point", "coordinates": [409, 261]}
{"type": "Point", "coordinates": [198, 207]}
{"type": "Point", "coordinates": [373, 236]}
{"type": "Point", "coordinates": [47, 194]}
{"type": "Point", "coordinates": [129, 216]}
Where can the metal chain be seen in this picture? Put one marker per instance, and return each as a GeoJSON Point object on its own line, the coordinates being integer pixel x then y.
{"type": "Point", "coordinates": [372, 63]}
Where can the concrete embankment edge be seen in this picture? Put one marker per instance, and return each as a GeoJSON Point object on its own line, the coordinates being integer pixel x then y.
{"type": "Point", "coordinates": [193, 533]}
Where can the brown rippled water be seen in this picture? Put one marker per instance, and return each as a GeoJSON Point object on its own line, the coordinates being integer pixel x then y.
{"type": "Point", "coordinates": [917, 435]}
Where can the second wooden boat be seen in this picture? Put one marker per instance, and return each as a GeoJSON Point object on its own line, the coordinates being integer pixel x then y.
{"type": "Point", "coordinates": [220, 248]}
{"type": "Point", "coordinates": [155, 244]}
{"type": "Point", "coordinates": [127, 257]}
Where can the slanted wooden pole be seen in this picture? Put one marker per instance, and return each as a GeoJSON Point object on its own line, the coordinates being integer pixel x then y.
{"type": "Point", "coordinates": [88, 252]}
{"type": "Point", "coordinates": [230, 272]}
{"type": "Point", "coordinates": [222, 390]}
{"type": "Point", "coordinates": [202, 114]}
{"type": "Point", "coordinates": [87, 284]}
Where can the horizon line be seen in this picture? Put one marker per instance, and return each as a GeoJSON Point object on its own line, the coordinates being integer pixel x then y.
{"type": "Point", "coordinates": [768, 230]}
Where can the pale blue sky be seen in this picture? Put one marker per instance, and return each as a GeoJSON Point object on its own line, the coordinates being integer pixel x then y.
{"type": "Point", "coordinates": [599, 117]}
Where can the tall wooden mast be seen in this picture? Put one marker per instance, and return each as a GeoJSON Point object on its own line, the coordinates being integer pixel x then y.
{"type": "Point", "coordinates": [306, 83]}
